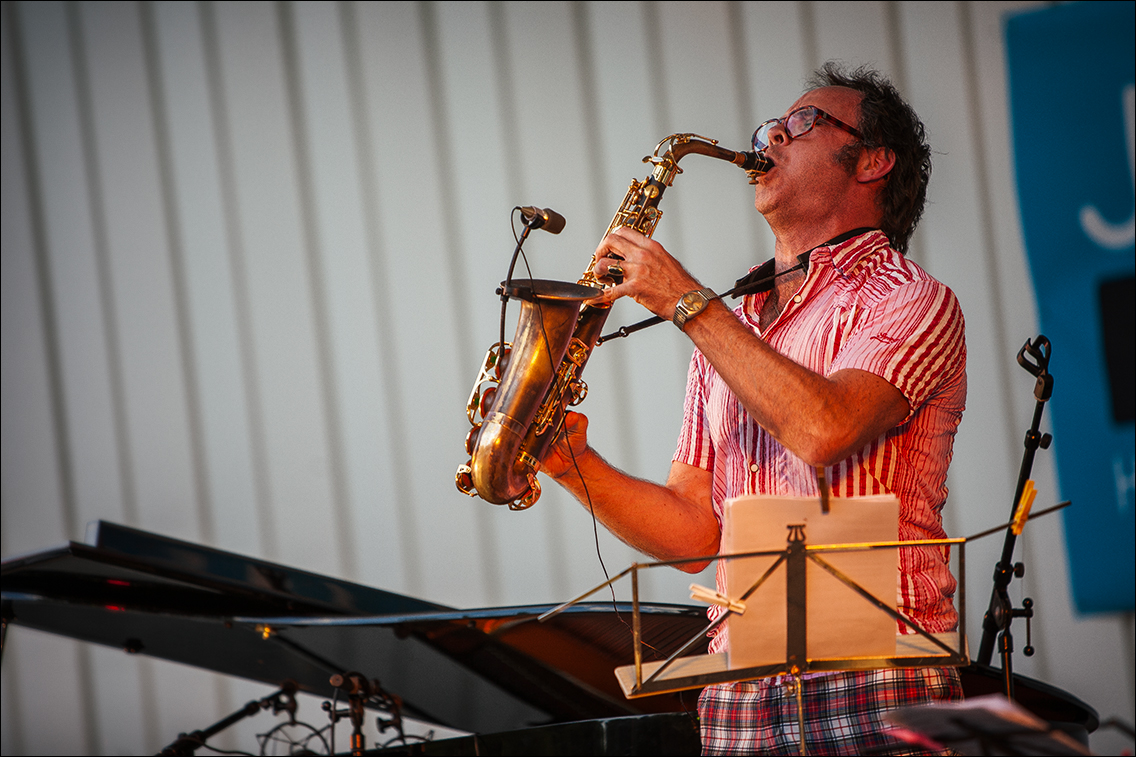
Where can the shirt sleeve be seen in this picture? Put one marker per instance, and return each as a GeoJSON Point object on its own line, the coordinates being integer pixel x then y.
{"type": "Point", "coordinates": [695, 446]}
{"type": "Point", "coordinates": [912, 338]}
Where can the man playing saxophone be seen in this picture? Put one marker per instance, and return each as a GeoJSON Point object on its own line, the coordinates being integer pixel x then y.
{"type": "Point", "coordinates": [853, 363]}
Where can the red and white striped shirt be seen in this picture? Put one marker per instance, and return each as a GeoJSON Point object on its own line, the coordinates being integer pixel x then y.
{"type": "Point", "coordinates": [865, 306]}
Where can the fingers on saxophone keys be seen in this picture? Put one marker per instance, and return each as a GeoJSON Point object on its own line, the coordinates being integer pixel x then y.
{"type": "Point", "coordinates": [605, 296]}
{"type": "Point", "coordinates": [614, 271]}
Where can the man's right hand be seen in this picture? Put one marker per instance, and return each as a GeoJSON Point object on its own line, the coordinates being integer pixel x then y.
{"type": "Point", "coordinates": [666, 522]}
{"type": "Point", "coordinates": [569, 446]}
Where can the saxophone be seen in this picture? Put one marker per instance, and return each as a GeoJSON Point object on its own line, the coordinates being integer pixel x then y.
{"type": "Point", "coordinates": [523, 390]}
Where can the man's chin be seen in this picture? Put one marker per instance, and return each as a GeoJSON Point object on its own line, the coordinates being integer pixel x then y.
{"type": "Point", "coordinates": [762, 198]}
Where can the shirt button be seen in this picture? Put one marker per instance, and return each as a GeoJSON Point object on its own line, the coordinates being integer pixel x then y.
{"type": "Point", "coordinates": [753, 467]}
{"type": "Point", "coordinates": [797, 298]}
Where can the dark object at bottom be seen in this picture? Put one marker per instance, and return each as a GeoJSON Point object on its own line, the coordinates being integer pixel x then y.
{"type": "Point", "coordinates": [666, 734]}
{"type": "Point", "coordinates": [678, 734]}
{"type": "Point", "coordinates": [1060, 709]}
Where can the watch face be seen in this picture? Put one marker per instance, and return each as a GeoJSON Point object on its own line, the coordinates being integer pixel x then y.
{"type": "Point", "coordinates": [690, 305]}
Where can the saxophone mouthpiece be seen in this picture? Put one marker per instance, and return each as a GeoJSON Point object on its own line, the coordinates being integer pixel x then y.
{"type": "Point", "coordinates": [757, 162]}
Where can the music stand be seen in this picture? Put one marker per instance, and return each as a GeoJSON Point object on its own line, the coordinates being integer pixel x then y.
{"type": "Point", "coordinates": [678, 673]}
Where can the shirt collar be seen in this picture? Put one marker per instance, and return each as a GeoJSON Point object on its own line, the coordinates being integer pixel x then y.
{"type": "Point", "coordinates": [847, 250]}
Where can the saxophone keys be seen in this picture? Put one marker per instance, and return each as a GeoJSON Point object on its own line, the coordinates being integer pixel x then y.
{"type": "Point", "coordinates": [579, 392]}
{"type": "Point", "coordinates": [472, 405]}
{"type": "Point", "coordinates": [471, 439]}
{"type": "Point", "coordinates": [530, 497]}
{"type": "Point", "coordinates": [502, 361]}
{"type": "Point", "coordinates": [485, 405]}
{"type": "Point", "coordinates": [464, 480]}
{"type": "Point", "coordinates": [492, 368]}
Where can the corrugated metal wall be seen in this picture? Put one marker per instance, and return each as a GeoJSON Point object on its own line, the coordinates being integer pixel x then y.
{"type": "Point", "coordinates": [249, 254]}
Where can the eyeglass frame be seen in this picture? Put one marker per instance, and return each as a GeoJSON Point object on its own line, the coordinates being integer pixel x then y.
{"type": "Point", "coordinates": [820, 116]}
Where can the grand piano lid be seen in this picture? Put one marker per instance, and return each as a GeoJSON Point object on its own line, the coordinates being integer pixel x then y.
{"type": "Point", "coordinates": [481, 671]}
{"type": "Point", "coordinates": [128, 558]}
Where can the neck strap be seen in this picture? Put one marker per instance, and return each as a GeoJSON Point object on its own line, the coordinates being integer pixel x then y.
{"type": "Point", "coordinates": [761, 278]}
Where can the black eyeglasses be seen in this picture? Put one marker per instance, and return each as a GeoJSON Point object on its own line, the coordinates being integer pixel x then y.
{"type": "Point", "coordinates": [797, 124]}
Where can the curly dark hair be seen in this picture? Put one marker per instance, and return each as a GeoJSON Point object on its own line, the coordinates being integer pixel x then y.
{"type": "Point", "coordinates": [886, 120]}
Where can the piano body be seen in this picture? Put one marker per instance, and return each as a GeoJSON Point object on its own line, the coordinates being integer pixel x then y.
{"type": "Point", "coordinates": [524, 686]}
{"type": "Point", "coordinates": [482, 671]}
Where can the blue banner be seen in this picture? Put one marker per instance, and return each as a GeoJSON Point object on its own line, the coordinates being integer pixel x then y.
{"type": "Point", "coordinates": [1072, 103]}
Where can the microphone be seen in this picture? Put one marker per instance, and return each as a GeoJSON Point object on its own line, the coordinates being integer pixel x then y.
{"type": "Point", "coordinates": [543, 218]}
{"type": "Point", "coordinates": [353, 683]}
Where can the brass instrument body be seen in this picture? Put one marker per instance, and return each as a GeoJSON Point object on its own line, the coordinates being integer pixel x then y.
{"type": "Point", "coordinates": [556, 332]}
{"type": "Point", "coordinates": [517, 427]}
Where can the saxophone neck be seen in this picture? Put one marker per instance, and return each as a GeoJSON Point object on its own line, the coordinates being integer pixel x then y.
{"type": "Point", "coordinates": [679, 145]}
{"type": "Point", "coordinates": [640, 208]}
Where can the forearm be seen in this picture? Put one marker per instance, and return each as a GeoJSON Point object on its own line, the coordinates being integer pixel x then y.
{"type": "Point", "coordinates": [820, 419]}
{"type": "Point", "coordinates": [669, 522]}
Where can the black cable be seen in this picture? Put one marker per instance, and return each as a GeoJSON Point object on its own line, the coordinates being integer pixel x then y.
{"type": "Point", "coordinates": [576, 466]}
{"type": "Point", "coordinates": [572, 454]}
{"type": "Point", "coordinates": [204, 745]}
{"type": "Point", "coordinates": [519, 251]}
{"type": "Point", "coordinates": [745, 285]}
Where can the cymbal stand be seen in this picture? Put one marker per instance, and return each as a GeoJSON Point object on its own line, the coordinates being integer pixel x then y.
{"type": "Point", "coordinates": [1001, 612]}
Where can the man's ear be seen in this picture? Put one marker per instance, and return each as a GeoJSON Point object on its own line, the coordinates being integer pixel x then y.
{"type": "Point", "coordinates": [874, 164]}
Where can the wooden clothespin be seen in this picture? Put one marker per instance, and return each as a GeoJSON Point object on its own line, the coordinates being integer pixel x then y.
{"type": "Point", "coordinates": [704, 594]}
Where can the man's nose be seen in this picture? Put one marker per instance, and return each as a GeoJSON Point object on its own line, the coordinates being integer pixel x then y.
{"type": "Point", "coordinates": [778, 135]}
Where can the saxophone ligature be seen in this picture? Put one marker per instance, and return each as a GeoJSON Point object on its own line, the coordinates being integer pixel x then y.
{"type": "Point", "coordinates": [523, 390]}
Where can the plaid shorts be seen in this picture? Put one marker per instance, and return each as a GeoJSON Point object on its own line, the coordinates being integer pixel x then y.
{"type": "Point", "coordinates": [842, 711]}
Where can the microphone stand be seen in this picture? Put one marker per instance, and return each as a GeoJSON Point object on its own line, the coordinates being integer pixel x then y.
{"type": "Point", "coordinates": [507, 289]}
{"type": "Point", "coordinates": [361, 691]}
{"type": "Point", "coordinates": [1002, 612]}
{"type": "Point", "coordinates": [531, 218]}
{"type": "Point", "coordinates": [284, 699]}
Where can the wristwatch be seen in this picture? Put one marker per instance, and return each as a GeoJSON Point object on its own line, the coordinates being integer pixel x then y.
{"type": "Point", "coordinates": [690, 305]}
